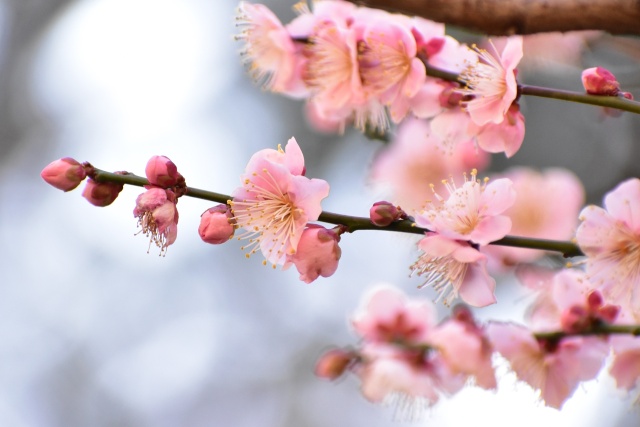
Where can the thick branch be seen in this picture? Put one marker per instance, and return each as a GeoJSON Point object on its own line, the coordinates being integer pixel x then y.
{"type": "Point", "coordinates": [507, 17]}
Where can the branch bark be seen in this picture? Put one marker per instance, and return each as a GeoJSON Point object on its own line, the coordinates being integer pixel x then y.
{"type": "Point", "coordinates": [508, 17]}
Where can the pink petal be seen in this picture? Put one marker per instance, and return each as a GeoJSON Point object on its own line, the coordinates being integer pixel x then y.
{"type": "Point", "coordinates": [307, 194]}
{"type": "Point", "coordinates": [294, 159]}
{"type": "Point", "coordinates": [623, 203]}
{"type": "Point", "coordinates": [478, 287]}
{"type": "Point", "coordinates": [490, 229]}
{"type": "Point", "coordinates": [497, 197]}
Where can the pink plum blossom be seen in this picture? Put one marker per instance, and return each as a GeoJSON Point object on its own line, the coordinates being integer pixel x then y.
{"type": "Point", "coordinates": [491, 81]}
{"type": "Point", "coordinates": [570, 303]}
{"type": "Point", "coordinates": [504, 137]}
{"type": "Point", "coordinates": [413, 379]}
{"type": "Point", "coordinates": [455, 268]}
{"type": "Point", "coordinates": [332, 73]}
{"type": "Point", "coordinates": [157, 217]}
{"type": "Point", "coordinates": [546, 207]}
{"type": "Point", "coordinates": [472, 211]}
{"type": "Point", "coordinates": [554, 367]}
{"type": "Point", "coordinates": [610, 238]}
{"type": "Point", "coordinates": [386, 315]}
{"type": "Point", "coordinates": [464, 347]}
{"type": "Point", "coordinates": [268, 51]}
{"type": "Point", "coordinates": [389, 68]}
{"type": "Point", "coordinates": [276, 201]}
{"type": "Point", "coordinates": [64, 174]}
{"type": "Point", "coordinates": [318, 253]}
{"type": "Point", "coordinates": [625, 368]}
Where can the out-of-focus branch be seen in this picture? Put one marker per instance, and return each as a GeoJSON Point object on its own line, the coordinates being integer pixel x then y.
{"type": "Point", "coordinates": [507, 17]}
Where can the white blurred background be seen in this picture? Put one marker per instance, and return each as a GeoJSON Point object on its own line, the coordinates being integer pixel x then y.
{"type": "Point", "coordinates": [96, 332]}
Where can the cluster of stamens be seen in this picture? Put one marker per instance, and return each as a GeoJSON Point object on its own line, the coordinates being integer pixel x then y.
{"type": "Point", "coordinates": [269, 215]}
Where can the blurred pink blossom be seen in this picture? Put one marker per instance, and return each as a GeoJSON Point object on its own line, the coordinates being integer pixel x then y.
{"type": "Point", "coordinates": [610, 238]}
{"type": "Point", "coordinates": [625, 368]}
{"type": "Point", "coordinates": [546, 206]}
{"type": "Point", "coordinates": [554, 367]}
{"type": "Point", "coordinates": [472, 211]}
{"type": "Point", "coordinates": [464, 347]}
{"type": "Point", "coordinates": [387, 315]}
{"type": "Point", "coordinates": [414, 160]}
{"type": "Point", "coordinates": [268, 51]}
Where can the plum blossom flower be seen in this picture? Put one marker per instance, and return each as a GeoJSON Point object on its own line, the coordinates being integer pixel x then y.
{"type": "Point", "coordinates": [611, 240]}
{"type": "Point", "coordinates": [396, 361]}
{"type": "Point", "coordinates": [269, 51]}
{"type": "Point", "coordinates": [464, 347]}
{"type": "Point", "coordinates": [492, 83]}
{"type": "Point", "coordinates": [472, 211]}
{"type": "Point", "coordinates": [554, 367]}
{"type": "Point", "coordinates": [625, 368]}
{"type": "Point", "coordinates": [546, 207]}
{"type": "Point", "coordinates": [276, 201]}
{"type": "Point", "coordinates": [157, 217]}
{"type": "Point", "coordinates": [318, 253]}
{"type": "Point", "coordinates": [455, 268]}
{"type": "Point", "coordinates": [413, 380]}
{"type": "Point", "coordinates": [504, 137]}
{"type": "Point", "coordinates": [387, 315]}
{"type": "Point", "coordinates": [389, 68]}
{"type": "Point", "coordinates": [569, 302]}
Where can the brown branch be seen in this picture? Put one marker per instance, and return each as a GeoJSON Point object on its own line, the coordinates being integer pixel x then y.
{"type": "Point", "coordinates": [507, 17]}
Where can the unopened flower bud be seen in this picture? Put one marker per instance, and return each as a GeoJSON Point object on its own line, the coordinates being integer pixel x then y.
{"type": "Point", "coordinates": [101, 193]}
{"type": "Point", "coordinates": [600, 81]}
{"type": "Point", "coordinates": [215, 225]}
{"type": "Point", "coordinates": [575, 319]}
{"type": "Point", "coordinates": [162, 172]}
{"type": "Point", "coordinates": [334, 363]}
{"type": "Point", "coordinates": [317, 253]}
{"type": "Point", "coordinates": [65, 174]}
{"type": "Point", "coordinates": [384, 213]}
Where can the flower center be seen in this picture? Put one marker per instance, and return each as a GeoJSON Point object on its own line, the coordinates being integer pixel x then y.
{"type": "Point", "coordinates": [269, 217]}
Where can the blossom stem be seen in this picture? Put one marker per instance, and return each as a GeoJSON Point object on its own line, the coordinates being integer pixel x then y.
{"type": "Point", "coordinates": [617, 102]}
{"type": "Point", "coordinates": [350, 223]}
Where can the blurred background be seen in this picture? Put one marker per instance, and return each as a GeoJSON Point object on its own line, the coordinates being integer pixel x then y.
{"type": "Point", "coordinates": [95, 331]}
